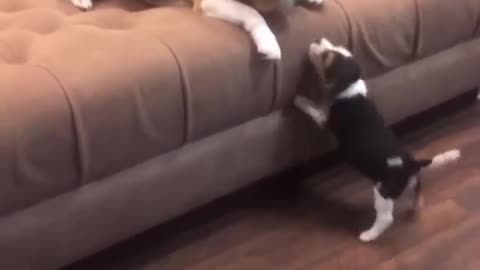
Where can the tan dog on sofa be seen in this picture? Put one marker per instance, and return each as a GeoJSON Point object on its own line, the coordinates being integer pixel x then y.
{"type": "Point", "coordinates": [245, 13]}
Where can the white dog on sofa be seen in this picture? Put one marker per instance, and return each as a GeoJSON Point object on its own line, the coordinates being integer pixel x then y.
{"type": "Point", "coordinates": [245, 13]}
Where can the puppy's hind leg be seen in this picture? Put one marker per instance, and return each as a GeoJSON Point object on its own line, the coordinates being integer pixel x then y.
{"type": "Point", "coordinates": [248, 18]}
{"type": "Point", "coordinates": [414, 193]}
{"type": "Point", "coordinates": [384, 217]}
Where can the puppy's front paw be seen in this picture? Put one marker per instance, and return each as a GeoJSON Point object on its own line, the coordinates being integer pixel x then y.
{"type": "Point", "coordinates": [83, 4]}
{"type": "Point", "coordinates": [301, 101]}
{"type": "Point", "coordinates": [266, 43]}
{"type": "Point", "coordinates": [368, 236]}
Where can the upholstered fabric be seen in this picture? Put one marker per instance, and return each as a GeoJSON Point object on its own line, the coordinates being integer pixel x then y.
{"type": "Point", "coordinates": [130, 84]}
{"type": "Point", "coordinates": [92, 102]}
{"type": "Point", "coordinates": [386, 34]}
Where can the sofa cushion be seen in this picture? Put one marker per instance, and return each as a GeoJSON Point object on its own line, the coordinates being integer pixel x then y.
{"type": "Point", "coordinates": [140, 82]}
{"type": "Point", "coordinates": [37, 142]}
{"type": "Point", "coordinates": [127, 83]}
{"type": "Point", "coordinates": [386, 34]}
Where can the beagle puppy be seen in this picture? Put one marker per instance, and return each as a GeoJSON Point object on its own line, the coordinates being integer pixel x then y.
{"type": "Point", "coordinates": [244, 13]}
{"type": "Point", "coordinates": [365, 140]}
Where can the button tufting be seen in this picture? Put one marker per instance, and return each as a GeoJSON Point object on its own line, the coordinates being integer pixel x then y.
{"type": "Point", "coordinates": [105, 19]}
{"type": "Point", "coordinates": [14, 46]}
{"type": "Point", "coordinates": [11, 6]}
{"type": "Point", "coordinates": [41, 21]}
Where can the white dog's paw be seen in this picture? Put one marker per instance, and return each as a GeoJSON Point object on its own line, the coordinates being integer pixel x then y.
{"type": "Point", "coordinates": [83, 4]}
{"type": "Point", "coordinates": [368, 236]}
{"type": "Point", "coordinates": [266, 43]}
{"type": "Point", "coordinates": [316, 2]}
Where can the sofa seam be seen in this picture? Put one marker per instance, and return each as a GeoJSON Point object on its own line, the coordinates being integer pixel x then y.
{"type": "Point", "coordinates": [477, 27]}
{"type": "Point", "coordinates": [276, 85]}
{"type": "Point", "coordinates": [186, 94]}
{"type": "Point", "coordinates": [349, 24]}
{"type": "Point", "coordinates": [79, 160]}
{"type": "Point", "coordinates": [417, 34]}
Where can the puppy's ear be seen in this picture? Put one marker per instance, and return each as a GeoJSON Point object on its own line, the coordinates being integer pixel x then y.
{"type": "Point", "coordinates": [322, 62]}
{"type": "Point", "coordinates": [343, 72]}
{"type": "Point", "coordinates": [328, 59]}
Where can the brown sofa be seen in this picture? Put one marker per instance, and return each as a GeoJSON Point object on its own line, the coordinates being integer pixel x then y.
{"type": "Point", "coordinates": [117, 120]}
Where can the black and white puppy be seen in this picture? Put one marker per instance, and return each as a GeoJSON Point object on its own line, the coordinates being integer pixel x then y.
{"type": "Point", "coordinates": [364, 138]}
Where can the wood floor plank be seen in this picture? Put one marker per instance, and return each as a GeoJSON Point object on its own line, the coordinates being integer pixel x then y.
{"type": "Point", "coordinates": [219, 241]}
{"type": "Point", "coordinates": [457, 248]}
{"type": "Point", "coordinates": [404, 234]}
{"type": "Point", "coordinates": [454, 180]}
{"type": "Point", "coordinates": [469, 198]}
{"type": "Point", "coordinates": [317, 227]}
{"type": "Point", "coordinates": [253, 251]}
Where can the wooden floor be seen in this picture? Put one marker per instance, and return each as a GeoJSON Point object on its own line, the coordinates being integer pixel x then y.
{"type": "Point", "coordinates": [312, 221]}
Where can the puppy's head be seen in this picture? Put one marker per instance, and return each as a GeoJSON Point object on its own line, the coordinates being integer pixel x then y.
{"type": "Point", "coordinates": [334, 65]}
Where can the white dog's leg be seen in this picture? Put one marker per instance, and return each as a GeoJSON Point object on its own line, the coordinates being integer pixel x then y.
{"type": "Point", "coordinates": [316, 2]}
{"type": "Point", "coordinates": [248, 18]}
{"type": "Point", "coordinates": [311, 109]}
{"type": "Point", "coordinates": [383, 220]}
{"type": "Point", "coordinates": [83, 4]}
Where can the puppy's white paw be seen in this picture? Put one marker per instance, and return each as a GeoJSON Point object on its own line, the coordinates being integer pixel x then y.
{"type": "Point", "coordinates": [83, 4]}
{"type": "Point", "coordinates": [266, 43]}
{"type": "Point", "coordinates": [301, 101]}
{"type": "Point", "coordinates": [316, 2]}
{"type": "Point", "coordinates": [308, 107]}
{"type": "Point", "coordinates": [368, 236]}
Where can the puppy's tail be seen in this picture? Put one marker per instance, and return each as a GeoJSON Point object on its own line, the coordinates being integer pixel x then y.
{"type": "Point", "coordinates": [442, 159]}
